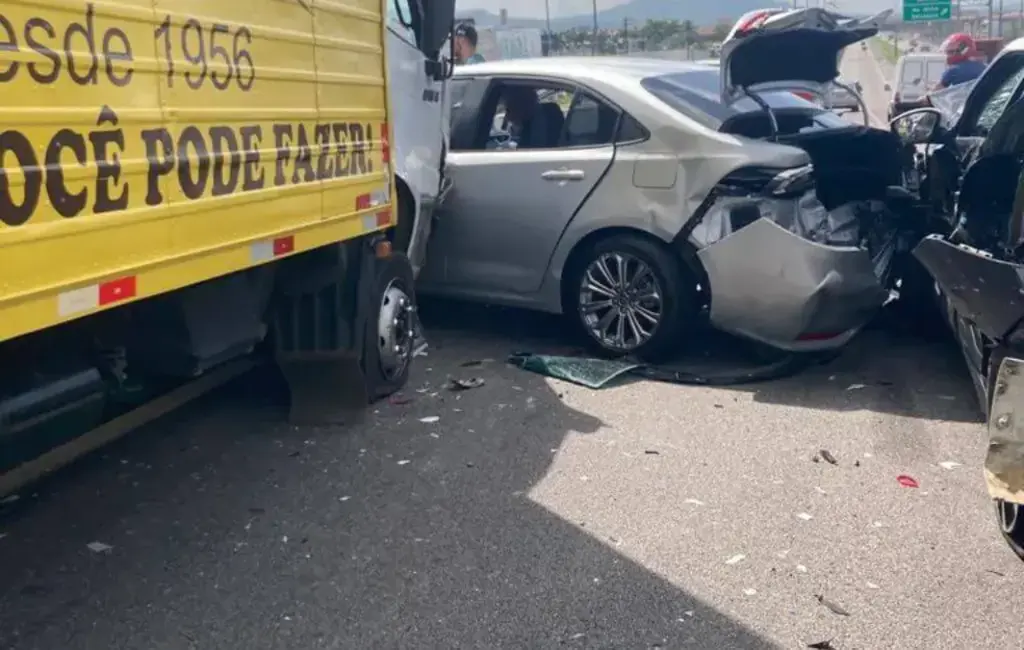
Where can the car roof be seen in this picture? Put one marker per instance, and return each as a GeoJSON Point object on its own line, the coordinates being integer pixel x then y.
{"type": "Point", "coordinates": [582, 67]}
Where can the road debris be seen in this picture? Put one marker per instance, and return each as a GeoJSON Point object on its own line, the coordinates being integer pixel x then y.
{"type": "Point", "coordinates": [805, 516]}
{"type": "Point", "coordinates": [907, 481]}
{"type": "Point", "coordinates": [99, 547]}
{"type": "Point", "coordinates": [344, 498]}
{"type": "Point", "coordinates": [8, 500]}
{"type": "Point", "coordinates": [750, 592]}
{"type": "Point", "coordinates": [827, 456]}
{"type": "Point", "coordinates": [833, 607]}
{"type": "Point", "coordinates": [400, 400]}
{"type": "Point", "coordinates": [404, 462]}
{"type": "Point", "coordinates": [736, 559]}
{"type": "Point", "coordinates": [856, 386]}
{"type": "Point", "coordinates": [949, 464]}
{"type": "Point", "coordinates": [458, 385]}
{"type": "Point", "coordinates": [801, 568]}
{"type": "Point", "coordinates": [651, 452]}
{"type": "Point", "coordinates": [871, 585]}
{"type": "Point", "coordinates": [430, 419]}
{"type": "Point", "coordinates": [694, 502]}
{"type": "Point", "coordinates": [822, 645]}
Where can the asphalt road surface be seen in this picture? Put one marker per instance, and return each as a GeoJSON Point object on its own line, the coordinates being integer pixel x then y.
{"type": "Point", "coordinates": [531, 514]}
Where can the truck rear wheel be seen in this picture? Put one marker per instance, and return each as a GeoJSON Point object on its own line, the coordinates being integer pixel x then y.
{"type": "Point", "coordinates": [391, 327]}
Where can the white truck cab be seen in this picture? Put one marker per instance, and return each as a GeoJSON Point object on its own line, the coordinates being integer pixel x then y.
{"type": "Point", "coordinates": [418, 84]}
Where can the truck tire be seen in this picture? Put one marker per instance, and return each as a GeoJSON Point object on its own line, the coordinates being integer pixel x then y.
{"type": "Point", "coordinates": [391, 327]}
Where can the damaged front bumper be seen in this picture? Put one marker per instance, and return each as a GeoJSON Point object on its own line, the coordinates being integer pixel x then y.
{"type": "Point", "coordinates": [784, 271]}
{"type": "Point", "coordinates": [1004, 463]}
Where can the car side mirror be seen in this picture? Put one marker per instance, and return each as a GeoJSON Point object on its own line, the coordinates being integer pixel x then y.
{"type": "Point", "coordinates": [919, 126]}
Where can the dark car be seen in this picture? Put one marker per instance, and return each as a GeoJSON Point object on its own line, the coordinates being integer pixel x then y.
{"type": "Point", "coordinates": [972, 185]}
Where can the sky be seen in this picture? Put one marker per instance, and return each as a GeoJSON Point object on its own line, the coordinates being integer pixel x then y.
{"type": "Point", "coordinates": [535, 8]}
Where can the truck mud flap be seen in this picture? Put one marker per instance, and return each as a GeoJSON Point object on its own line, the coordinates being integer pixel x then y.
{"type": "Point", "coordinates": [319, 344]}
{"type": "Point", "coordinates": [987, 291]}
{"type": "Point", "coordinates": [1004, 463]}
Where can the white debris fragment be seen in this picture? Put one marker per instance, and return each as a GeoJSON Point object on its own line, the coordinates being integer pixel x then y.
{"type": "Point", "coordinates": [420, 351]}
{"type": "Point", "coordinates": [689, 612]}
{"type": "Point", "coordinates": [783, 554]}
{"type": "Point", "coordinates": [344, 498]}
{"type": "Point", "coordinates": [435, 436]}
{"type": "Point", "coordinates": [855, 386]}
{"type": "Point", "coordinates": [831, 377]}
{"type": "Point", "coordinates": [578, 636]}
{"type": "Point", "coordinates": [736, 559]}
{"type": "Point", "coordinates": [2, 535]}
{"type": "Point", "coordinates": [820, 490]}
{"type": "Point", "coordinates": [430, 419]}
{"type": "Point", "coordinates": [801, 568]}
{"type": "Point", "coordinates": [868, 454]}
{"type": "Point", "coordinates": [9, 499]}
{"type": "Point", "coordinates": [750, 592]}
{"type": "Point", "coordinates": [872, 585]}
{"type": "Point", "coordinates": [694, 502]}
{"type": "Point", "coordinates": [99, 547]}
{"type": "Point", "coordinates": [949, 464]}
{"type": "Point", "coordinates": [403, 462]}
{"type": "Point", "coordinates": [805, 516]}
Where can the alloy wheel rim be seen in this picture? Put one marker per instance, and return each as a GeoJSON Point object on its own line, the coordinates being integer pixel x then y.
{"type": "Point", "coordinates": [1007, 513]}
{"type": "Point", "coordinates": [396, 324]}
{"type": "Point", "coordinates": [621, 302]}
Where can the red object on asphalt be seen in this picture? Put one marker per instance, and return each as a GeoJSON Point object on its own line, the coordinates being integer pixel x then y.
{"type": "Point", "coordinates": [907, 481]}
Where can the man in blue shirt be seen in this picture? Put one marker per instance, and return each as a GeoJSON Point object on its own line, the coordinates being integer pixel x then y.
{"type": "Point", "coordinates": [962, 61]}
{"type": "Point", "coordinates": [465, 45]}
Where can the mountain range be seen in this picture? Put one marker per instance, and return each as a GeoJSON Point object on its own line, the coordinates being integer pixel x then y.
{"type": "Point", "coordinates": [699, 12]}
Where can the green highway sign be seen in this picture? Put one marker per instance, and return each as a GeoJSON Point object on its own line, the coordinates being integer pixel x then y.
{"type": "Point", "coordinates": [919, 11]}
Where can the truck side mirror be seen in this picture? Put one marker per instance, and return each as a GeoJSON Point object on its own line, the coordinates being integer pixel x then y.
{"type": "Point", "coordinates": [438, 18]}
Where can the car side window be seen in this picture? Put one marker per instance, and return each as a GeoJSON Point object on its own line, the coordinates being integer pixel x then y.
{"type": "Point", "coordinates": [526, 115]}
{"type": "Point", "coordinates": [399, 17]}
{"type": "Point", "coordinates": [630, 130]}
{"type": "Point", "coordinates": [990, 95]}
{"type": "Point", "coordinates": [589, 123]}
{"type": "Point", "coordinates": [997, 103]}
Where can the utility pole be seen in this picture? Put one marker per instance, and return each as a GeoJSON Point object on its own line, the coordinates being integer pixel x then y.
{"type": "Point", "coordinates": [625, 32]}
{"type": "Point", "coordinates": [593, 44]}
{"type": "Point", "coordinates": [547, 18]}
{"type": "Point", "coordinates": [1000, 18]}
{"type": "Point", "coordinates": [990, 17]}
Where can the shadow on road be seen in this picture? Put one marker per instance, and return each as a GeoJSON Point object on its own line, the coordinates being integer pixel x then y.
{"type": "Point", "coordinates": [886, 369]}
{"type": "Point", "coordinates": [230, 529]}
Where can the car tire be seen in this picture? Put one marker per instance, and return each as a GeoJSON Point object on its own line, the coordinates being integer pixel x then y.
{"type": "Point", "coordinates": [657, 282]}
{"type": "Point", "coordinates": [390, 328]}
{"type": "Point", "coordinates": [1010, 519]}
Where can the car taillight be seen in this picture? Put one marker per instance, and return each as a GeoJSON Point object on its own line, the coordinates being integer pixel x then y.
{"type": "Point", "coordinates": [786, 197]}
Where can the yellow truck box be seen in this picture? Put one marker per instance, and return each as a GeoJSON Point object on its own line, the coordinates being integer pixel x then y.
{"type": "Point", "coordinates": [147, 145]}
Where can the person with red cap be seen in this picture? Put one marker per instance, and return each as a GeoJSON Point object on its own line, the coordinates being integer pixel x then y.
{"type": "Point", "coordinates": [961, 59]}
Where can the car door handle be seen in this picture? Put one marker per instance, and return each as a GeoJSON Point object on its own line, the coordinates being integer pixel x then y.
{"type": "Point", "coordinates": [563, 175]}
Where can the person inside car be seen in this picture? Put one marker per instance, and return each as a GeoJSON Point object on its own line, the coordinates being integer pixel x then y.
{"type": "Point", "coordinates": [962, 60]}
{"type": "Point", "coordinates": [533, 125]}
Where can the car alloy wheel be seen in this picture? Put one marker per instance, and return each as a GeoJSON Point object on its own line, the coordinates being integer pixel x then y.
{"type": "Point", "coordinates": [1011, 524]}
{"type": "Point", "coordinates": [621, 301]}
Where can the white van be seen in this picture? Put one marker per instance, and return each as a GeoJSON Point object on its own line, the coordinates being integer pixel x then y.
{"type": "Point", "coordinates": [916, 75]}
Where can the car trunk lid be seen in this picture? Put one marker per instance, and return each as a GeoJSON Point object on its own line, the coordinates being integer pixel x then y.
{"type": "Point", "coordinates": [793, 50]}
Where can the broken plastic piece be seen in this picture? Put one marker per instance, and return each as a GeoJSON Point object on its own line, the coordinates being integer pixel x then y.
{"type": "Point", "coordinates": [834, 608]}
{"type": "Point", "coordinates": [907, 481]}
{"type": "Point", "coordinates": [465, 384]}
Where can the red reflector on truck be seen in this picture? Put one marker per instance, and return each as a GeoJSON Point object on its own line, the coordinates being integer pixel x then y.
{"type": "Point", "coordinates": [364, 202]}
{"type": "Point", "coordinates": [385, 143]}
{"type": "Point", "coordinates": [117, 290]}
{"type": "Point", "coordinates": [284, 245]}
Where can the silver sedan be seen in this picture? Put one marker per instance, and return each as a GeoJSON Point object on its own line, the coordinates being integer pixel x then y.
{"type": "Point", "coordinates": [642, 197]}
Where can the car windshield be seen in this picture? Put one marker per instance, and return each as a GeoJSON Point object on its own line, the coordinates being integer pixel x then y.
{"type": "Point", "coordinates": [700, 90]}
